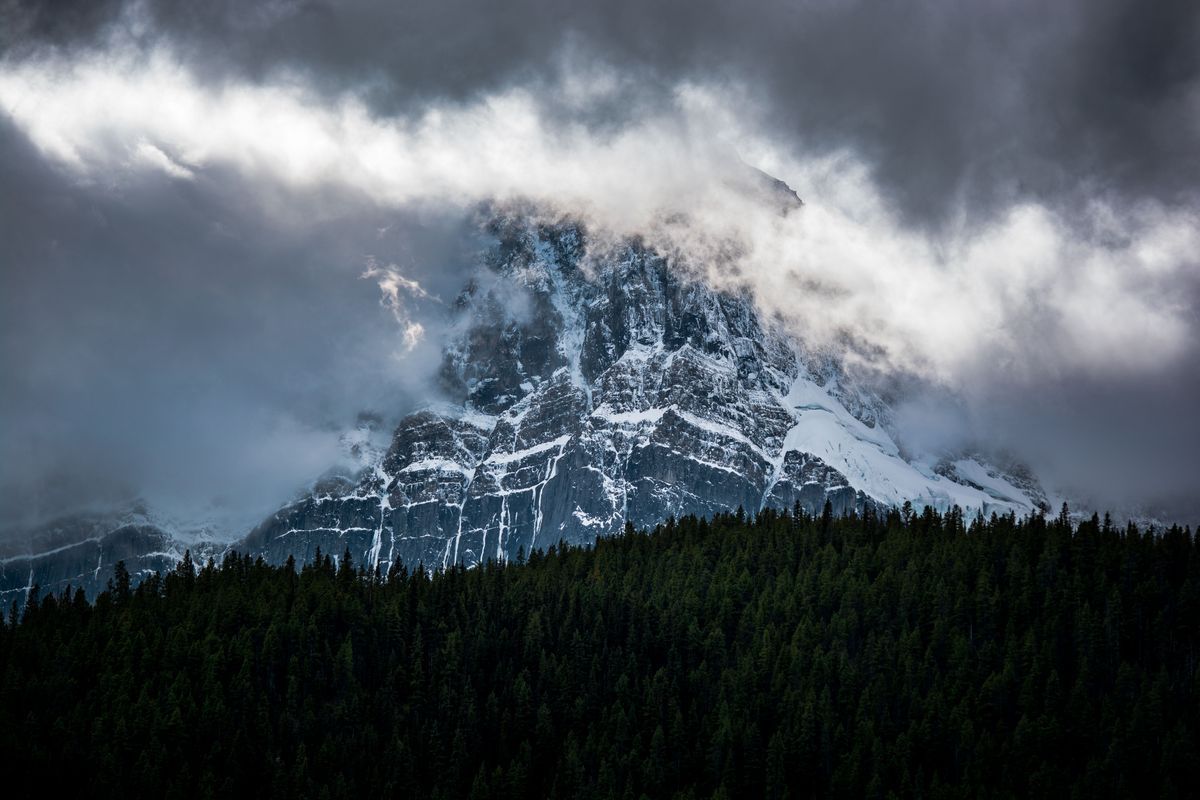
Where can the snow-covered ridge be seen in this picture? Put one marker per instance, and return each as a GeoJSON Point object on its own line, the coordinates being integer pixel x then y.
{"type": "Point", "coordinates": [871, 461]}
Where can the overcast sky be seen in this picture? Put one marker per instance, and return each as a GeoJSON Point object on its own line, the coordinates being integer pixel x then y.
{"type": "Point", "coordinates": [227, 227]}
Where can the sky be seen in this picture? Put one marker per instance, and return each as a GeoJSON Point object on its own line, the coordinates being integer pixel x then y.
{"type": "Point", "coordinates": [228, 228]}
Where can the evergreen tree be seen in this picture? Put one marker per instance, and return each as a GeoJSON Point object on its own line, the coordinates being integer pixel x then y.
{"type": "Point", "coordinates": [897, 654]}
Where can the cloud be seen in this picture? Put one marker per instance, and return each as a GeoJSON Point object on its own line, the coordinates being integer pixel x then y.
{"type": "Point", "coordinates": [962, 106]}
{"type": "Point", "coordinates": [155, 157]}
{"type": "Point", "coordinates": [844, 266]}
{"type": "Point", "coordinates": [394, 287]}
{"type": "Point", "coordinates": [171, 337]}
{"type": "Point", "coordinates": [502, 146]}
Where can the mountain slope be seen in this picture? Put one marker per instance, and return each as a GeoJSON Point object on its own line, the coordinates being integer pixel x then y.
{"type": "Point", "coordinates": [81, 549]}
{"type": "Point", "coordinates": [591, 390]}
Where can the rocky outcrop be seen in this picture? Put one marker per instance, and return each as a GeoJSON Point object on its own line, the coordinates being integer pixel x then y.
{"type": "Point", "coordinates": [80, 551]}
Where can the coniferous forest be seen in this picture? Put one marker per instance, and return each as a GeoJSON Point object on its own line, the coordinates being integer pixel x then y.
{"type": "Point", "coordinates": [906, 655]}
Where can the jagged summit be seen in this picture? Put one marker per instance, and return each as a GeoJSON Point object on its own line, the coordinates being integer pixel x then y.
{"type": "Point", "coordinates": [583, 396]}
{"type": "Point", "coordinates": [773, 190]}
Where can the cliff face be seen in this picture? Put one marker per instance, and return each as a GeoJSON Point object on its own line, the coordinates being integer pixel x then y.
{"type": "Point", "coordinates": [80, 550]}
{"type": "Point", "coordinates": [588, 392]}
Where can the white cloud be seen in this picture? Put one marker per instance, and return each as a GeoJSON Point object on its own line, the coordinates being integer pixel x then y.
{"type": "Point", "coordinates": [393, 287]}
{"type": "Point", "coordinates": [1024, 295]}
{"type": "Point", "coordinates": [154, 157]}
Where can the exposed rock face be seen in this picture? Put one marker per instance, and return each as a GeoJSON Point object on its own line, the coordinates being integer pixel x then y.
{"type": "Point", "coordinates": [80, 551]}
{"type": "Point", "coordinates": [588, 394]}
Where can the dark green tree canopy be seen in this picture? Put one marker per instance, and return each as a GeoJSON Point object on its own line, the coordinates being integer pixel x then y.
{"type": "Point", "coordinates": [909, 654]}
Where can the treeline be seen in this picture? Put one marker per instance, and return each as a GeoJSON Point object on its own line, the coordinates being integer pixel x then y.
{"type": "Point", "coordinates": [786, 656]}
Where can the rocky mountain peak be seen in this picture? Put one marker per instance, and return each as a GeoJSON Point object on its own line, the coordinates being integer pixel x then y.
{"type": "Point", "coordinates": [588, 385]}
{"type": "Point", "coordinates": [590, 388]}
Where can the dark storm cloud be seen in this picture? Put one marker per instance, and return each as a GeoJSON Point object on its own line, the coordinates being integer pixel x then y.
{"type": "Point", "coordinates": [958, 107]}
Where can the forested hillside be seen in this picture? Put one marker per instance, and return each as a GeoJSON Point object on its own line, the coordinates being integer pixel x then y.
{"type": "Point", "coordinates": [787, 656]}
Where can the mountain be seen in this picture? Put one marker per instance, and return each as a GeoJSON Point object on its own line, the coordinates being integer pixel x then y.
{"type": "Point", "coordinates": [591, 389]}
{"type": "Point", "coordinates": [588, 385]}
{"type": "Point", "coordinates": [80, 550]}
